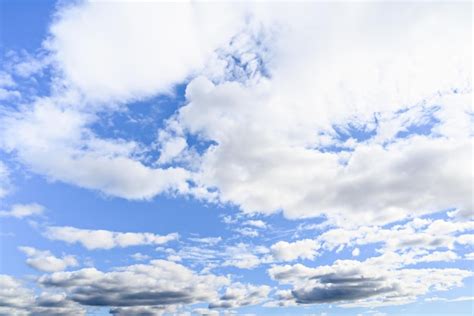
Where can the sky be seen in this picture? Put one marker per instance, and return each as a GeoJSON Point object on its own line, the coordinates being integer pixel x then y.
{"type": "Point", "coordinates": [236, 158]}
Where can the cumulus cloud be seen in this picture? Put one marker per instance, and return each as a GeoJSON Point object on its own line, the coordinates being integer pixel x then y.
{"type": "Point", "coordinates": [16, 299]}
{"type": "Point", "coordinates": [304, 249]}
{"type": "Point", "coordinates": [274, 173]}
{"type": "Point", "coordinates": [138, 256]}
{"type": "Point", "coordinates": [414, 234]}
{"type": "Point", "coordinates": [23, 210]}
{"type": "Point", "coordinates": [354, 283]}
{"type": "Point", "coordinates": [287, 121]}
{"type": "Point", "coordinates": [58, 125]}
{"type": "Point", "coordinates": [104, 239]}
{"type": "Point", "coordinates": [288, 85]}
{"type": "Point", "coordinates": [135, 55]}
{"type": "Point", "coordinates": [356, 252]}
{"type": "Point", "coordinates": [160, 283]}
{"type": "Point", "coordinates": [239, 295]}
{"type": "Point", "coordinates": [47, 262]}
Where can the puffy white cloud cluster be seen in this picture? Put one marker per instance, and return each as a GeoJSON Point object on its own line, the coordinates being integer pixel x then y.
{"type": "Point", "coordinates": [18, 300]}
{"type": "Point", "coordinates": [104, 239]}
{"type": "Point", "coordinates": [43, 260]}
{"type": "Point", "coordinates": [52, 138]}
{"type": "Point", "coordinates": [357, 112]}
{"type": "Point", "coordinates": [142, 49]}
{"type": "Point", "coordinates": [281, 95]}
{"type": "Point", "coordinates": [304, 249]}
{"type": "Point", "coordinates": [239, 295]}
{"type": "Point", "coordinates": [354, 283]}
{"type": "Point", "coordinates": [420, 234]}
{"type": "Point", "coordinates": [159, 283]}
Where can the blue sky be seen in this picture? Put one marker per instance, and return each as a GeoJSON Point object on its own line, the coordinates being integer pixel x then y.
{"type": "Point", "coordinates": [245, 158]}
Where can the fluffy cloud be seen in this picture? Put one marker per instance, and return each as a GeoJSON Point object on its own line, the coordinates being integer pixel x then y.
{"type": "Point", "coordinates": [16, 299]}
{"type": "Point", "coordinates": [304, 249]}
{"type": "Point", "coordinates": [104, 239]}
{"type": "Point", "coordinates": [240, 255]}
{"type": "Point", "coordinates": [289, 121]}
{"type": "Point", "coordinates": [46, 262]}
{"type": "Point", "coordinates": [276, 172]}
{"type": "Point", "coordinates": [354, 283]}
{"type": "Point", "coordinates": [239, 295]}
{"type": "Point", "coordinates": [138, 256]}
{"type": "Point", "coordinates": [244, 256]}
{"type": "Point", "coordinates": [206, 240]}
{"type": "Point", "coordinates": [160, 283]}
{"type": "Point", "coordinates": [256, 223]}
{"type": "Point", "coordinates": [135, 54]}
{"type": "Point", "coordinates": [290, 93]}
{"type": "Point", "coordinates": [58, 125]}
{"type": "Point", "coordinates": [415, 234]}
{"type": "Point", "coordinates": [23, 210]}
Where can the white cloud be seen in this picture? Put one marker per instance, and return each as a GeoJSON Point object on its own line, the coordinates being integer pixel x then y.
{"type": "Point", "coordinates": [256, 223]}
{"type": "Point", "coordinates": [469, 256]}
{"type": "Point", "coordinates": [247, 231]}
{"type": "Point", "coordinates": [284, 122]}
{"type": "Point", "coordinates": [456, 299]}
{"type": "Point", "coordinates": [304, 249]}
{"type": "Point", "coordinates": [136, 53]}
{"type": "Point", "coordinates": [356, 252]}
{"type": "Point", "coordinates": [46, 262]}
{"type": "Point", "coordinates": [140, 257]}
{"type": "Point", "coordinates": [206, 240]}
{"type": "Point", "coordinates": [242, 256]}
{"type": "Point", "coordinates": [23, 210]}
{"type": "Point", "coordinates": [271, 117]}
{"type": "Point", "coordinates": [52, 138]}
{"type": "Point", "coordinates": [415, 234]}
{"type": "Point", "coordinates": [160, 283]}
{"type": "Point", "coordinates": [364, 284]}
{"type": "Point", "coordinates": [16, 299]}
{"type": "Point", "coordinates": [442, 256]}
{"type": "Point", "coordinates": [104, 239]}
{"type": "Point", "coordinates": [239, 295]}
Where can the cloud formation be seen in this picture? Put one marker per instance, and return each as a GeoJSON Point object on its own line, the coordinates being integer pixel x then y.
{"type": "Point", "coordinates": [16, 299]}
{"type": "Point", "coordinates": [104, 239]}
{"type": "Point", "coordinates": [160, 283]}
{"type": "Point", "coordinates": [355, 283]}
{"type": "Point", "coordinates": [23, 210]}
{"type": "Point", "coordinates": [45, 261]}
